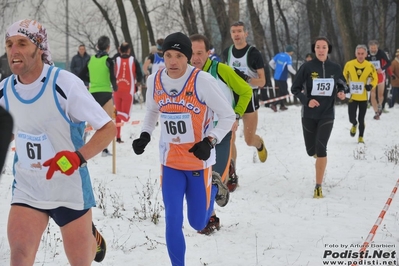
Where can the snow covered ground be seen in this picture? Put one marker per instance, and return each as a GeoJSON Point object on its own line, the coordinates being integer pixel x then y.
{"type": "Point", "coordinates": [271, 219]}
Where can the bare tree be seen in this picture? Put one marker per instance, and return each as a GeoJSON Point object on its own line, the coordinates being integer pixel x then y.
{"type": "Point", "coordinates": [207, 32]}
{"type": "Point", "coordinates": [345, 22]}
{"type": "Point", "coordinates": [124, 25]}
{"type": "Point", "coordinates": [145, 49]}
{"type": "Point", "coordinates": [273, 30]}
{"type": "Point", "coordinates": [314, 13]}
{"type": "Point", "coordinates": [148, 22]}
{"type": "Point", "coordinates": [397, 26]}
{"type": "Point", "coordinates": [219, 8]}
{"type": "Point", "coordinates": [104, 12]}
{"type": "Point", "coordinates": [257, 28]}
{"type": "Point", "coordinates": [188, 14]}
{"type": "Point", "coordinates": [285, 23]}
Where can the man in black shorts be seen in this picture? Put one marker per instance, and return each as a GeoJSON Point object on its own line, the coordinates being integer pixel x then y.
{"type": "Point", "coordinates": [248, 63]}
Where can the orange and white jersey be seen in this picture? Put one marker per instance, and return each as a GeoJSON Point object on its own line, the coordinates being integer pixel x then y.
{"type": "Point", "coordinates": [125, 70]}
{"type": "Point", "coordinates": [186, 106]}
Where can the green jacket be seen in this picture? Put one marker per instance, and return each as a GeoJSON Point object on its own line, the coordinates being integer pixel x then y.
{"type": "Point", "coordinates": [232, 81]}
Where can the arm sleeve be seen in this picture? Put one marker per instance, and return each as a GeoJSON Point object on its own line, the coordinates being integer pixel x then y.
{"type": "Point", "coordinates": [152, 108]}
{"type": "Point", "coordinates": [272, 64]}
{"type": "Point", "coordinates": [297, 85]}
{"type": "Point", "coordinates": [110, 64]}
{"type": "Point", "coordinates": [84, 74]}
{"type": "Point", "coordinates": [385, 57]}
{"type": "Point", "coordinates": [139, 73]}
{"type": "Point", "coordinates": [213, 96]}
{"type": "Point", "coordinates": [291, 69]}
{"type": "Point", "coordinates": [238, 85]}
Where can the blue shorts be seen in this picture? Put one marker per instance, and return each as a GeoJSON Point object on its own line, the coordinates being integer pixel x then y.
{"type": "Point", "coordinates": [60, 215]}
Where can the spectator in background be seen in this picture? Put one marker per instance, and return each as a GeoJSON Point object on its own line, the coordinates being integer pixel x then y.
{"type": "Point", "coordinates": [213, 55]}
{"type": "Point", "coordinates": [309, 57]}
{"type": "Point", "coordinates": [79, 61]}
{"type": "Point", "coordinates": [395, 79]}
{"type": "Point", "coordinates": [282, 64]}
{"type": "Point", "coordinates": [155, 60]}
{"type": "Point", "coordinates": [5, 70]}
{"type": "Point", "coordinates": [128, 74]}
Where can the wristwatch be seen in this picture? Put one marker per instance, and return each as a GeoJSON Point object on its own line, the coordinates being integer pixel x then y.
{"type": "Point", "coordinates": [83, 161]}
{"type": "Point", "coordinates": [249, 80]}
{"type": "Point", "coordinates": [238, 116]}
{"type": "Point", "coordinates": [213, 141]}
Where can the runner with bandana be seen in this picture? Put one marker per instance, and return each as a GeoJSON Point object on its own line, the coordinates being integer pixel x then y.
{"type": "Point", "coordinates": [50, 107]}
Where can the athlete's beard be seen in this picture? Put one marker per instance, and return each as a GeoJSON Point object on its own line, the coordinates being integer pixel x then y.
{"type": "Point", "coordinates": [373, 53]}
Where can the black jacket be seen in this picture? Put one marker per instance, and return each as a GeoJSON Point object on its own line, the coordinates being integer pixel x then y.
{"type": "Point", "coordinates": [78, 63]}
{"type": "Point", "coordinates": [304, 81]}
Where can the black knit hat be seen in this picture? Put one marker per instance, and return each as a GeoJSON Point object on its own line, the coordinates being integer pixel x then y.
{"type": "Point", "coordinates": [179, 42]}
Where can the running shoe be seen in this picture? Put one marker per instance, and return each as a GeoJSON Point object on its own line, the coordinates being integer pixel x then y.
{"type": "Point", "coordinates": [318, 193]}
{"type": "Point", "coordinates": [262, 153]}
{"type": "Point", "coordinates": [360, 140]}
{"type": "Point", "coordinates": [106, 153]}
{"type": "Point", "coordinates": [353, 131]}
{"type": "Point", "coordinates": [101, 245]}
{"type": "Point", "coordinates": [213, 224]}
{"type": "Point", "coordinates": [232, 182]}
{"type": "Point", "coordinates": [222, 197]}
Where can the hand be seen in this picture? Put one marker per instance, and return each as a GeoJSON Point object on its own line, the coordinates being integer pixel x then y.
{"type": "Point", "coordinates": [393, 77]}
{"type": "Point", "coordinates": [235, 125]}
{"type": "Point", "coordinates": [202, 149]}
{"type": "Point", "coordinates": [65, 161]}
{"type": "Point", "coordinates": [140, 143]}
{"type": "Point", "coordinates": [313, 103]}
{"type": "Point", "coordinates": [242, 74]}
{"type": "Point", "coordinates": [368, 87]}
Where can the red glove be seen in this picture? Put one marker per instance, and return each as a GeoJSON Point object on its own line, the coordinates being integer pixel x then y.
{"type": "Point", "coordinates": [65, 161]}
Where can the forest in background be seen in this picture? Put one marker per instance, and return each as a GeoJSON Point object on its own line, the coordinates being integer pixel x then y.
{"type": "Point", "coordinates": [272, 24]}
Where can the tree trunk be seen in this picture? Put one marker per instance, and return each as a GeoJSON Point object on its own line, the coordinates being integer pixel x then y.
{"type": "Point", "coordinates": [382, 10]}
{"type": "Point", "coordinates": [286, 27]}
{"type": "Point", "coordinates": [257, 28]}
{"type": "Point", "coordinates": [124, 24]}
{"type": "Point", "coordinates": [314, 13]}
{"type": "Point", "coordinates": [273, 31]}
{"type": "Point", "coordinates": [349, 38]}
{"type": "Point", "coordinates": [207, 33]}
{"type": "Point", "coordinates": [364, 21]}
{"type": "Point", "coordinates": [396, 28]}
{"type": "Point", "coordinates": [188, 14]}
{"type": "Point", "coordinates": [219, 9]}
{"type": "Point", "coordinates": [145, 50]}
{"type": "Point", "coordinates": [148, 22]}
{"type": "Point", "coordinates": [110, 24]}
